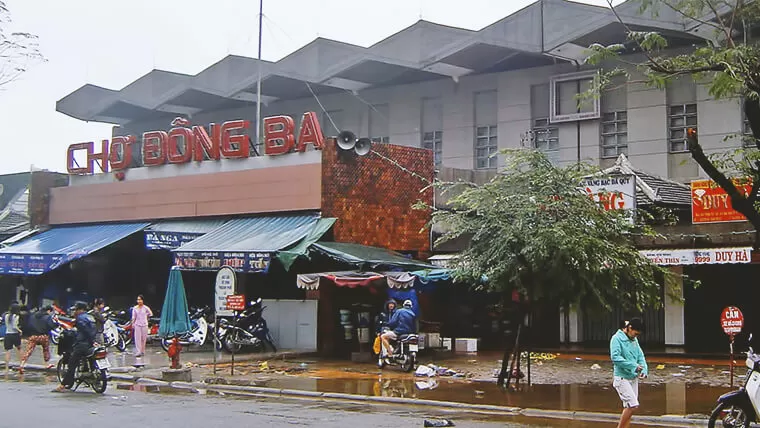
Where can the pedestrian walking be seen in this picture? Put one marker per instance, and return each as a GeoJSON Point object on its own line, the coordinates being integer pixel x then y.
{"type": "Point", "coordinates": [140, 315]}
{"type": "Point", "coordinates": [41, 323]}
{"type": "Point", "coordinates": [629, 366]}
{"type": "Point", "coordinates": [12, 333]}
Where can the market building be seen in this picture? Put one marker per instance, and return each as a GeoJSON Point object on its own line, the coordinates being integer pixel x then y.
{"type": "Point", "coordinates": [456, 94]}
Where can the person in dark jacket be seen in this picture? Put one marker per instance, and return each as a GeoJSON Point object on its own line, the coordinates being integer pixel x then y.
{"type": "Point", "coordinates": [85, 339]}
{"type": "Point", "coordinates": [383, 318]}
{"type": "Point", "coordinates": [100, 319]}
{"type": "Point", "coordinates": [402, 322]}
{"type": "Point", "coordinates": [41, 323]}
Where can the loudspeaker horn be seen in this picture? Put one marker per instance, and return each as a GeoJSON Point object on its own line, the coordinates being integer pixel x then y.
{"type": "Point", "coordinates": [346, 140]}
{"type": "Point", "coordinates": [363, 146]}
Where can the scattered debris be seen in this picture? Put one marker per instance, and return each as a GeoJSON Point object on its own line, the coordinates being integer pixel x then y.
{"type": "Point", "coordinates": [426, 384]}
{"type": "Point", "coordinates": [661, 367]}
{"type": "Point", "coordinates": [424, 371]}
{"type": "Point", "coordinates": [596, 367]}
{"type": "Point", "coordinates": [578, 359]}
{"type": "Point", "coordinates": [264, 365]}
{"type": "Point", "coordinates": [438, 423]}
{"type": "Point", "coordinates": [677, 374]}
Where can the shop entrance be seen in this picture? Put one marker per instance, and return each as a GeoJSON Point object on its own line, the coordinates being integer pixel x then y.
{"type": "Point", "coordinates": [720, 286]}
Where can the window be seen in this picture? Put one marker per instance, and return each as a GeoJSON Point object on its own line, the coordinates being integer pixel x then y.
{"type": "Point", "coordinates": [614, 134]}
{"type": "Point", "coordinates": [434, 141]}
{"type": "Point", "coordinates": [680, 118]}
{"type": "Point", "coordinates": [566, 100]}
{"type": "Point", "coordinates": [486, 144]}
{"type": "Point", "coordinates": [546, 138]}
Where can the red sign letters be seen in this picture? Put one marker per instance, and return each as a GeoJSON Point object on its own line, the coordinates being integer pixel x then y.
{"type": "Point", "coordinates": [184, 143]}
{"type": "Point", "coordinates": [236, 302]}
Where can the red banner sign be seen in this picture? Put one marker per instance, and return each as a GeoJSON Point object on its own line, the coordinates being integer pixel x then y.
{"type": "Point", "coordinates": [236, 302]}
{"type": "Point", "coordinates": [732, 320]}
{"type": "Point", "coordinates": [184, 143]}
{"type": "Point", "coordinates": [711, 204]}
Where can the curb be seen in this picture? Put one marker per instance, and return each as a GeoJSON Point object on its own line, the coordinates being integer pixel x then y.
{"type": "Point", "coordinates": [667, 420]}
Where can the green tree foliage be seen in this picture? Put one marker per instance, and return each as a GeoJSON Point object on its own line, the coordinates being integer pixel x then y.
{"type": "Point", "coordinates": [534, 230]}
{"type": "Point", "coordinates": [727, 61]}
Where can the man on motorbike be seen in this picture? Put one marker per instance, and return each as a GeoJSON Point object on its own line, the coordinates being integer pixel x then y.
{"type": "Point", "coordinates": [85, 340]}
{"type": "Point", "coordinates": [403, 321]}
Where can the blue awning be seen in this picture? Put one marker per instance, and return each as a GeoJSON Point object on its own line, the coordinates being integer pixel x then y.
{"type": "Point", "coordinates": [245, 244]}
{"type": "Point", "coordinates": [55, 247]}
{"type": "Point", "coordinates": [171, 234]}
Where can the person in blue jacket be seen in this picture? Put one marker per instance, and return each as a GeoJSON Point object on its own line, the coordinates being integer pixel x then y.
{"type": "Point", "coordinates": [629, 366]}
{"type": "Point", "coordinates": [85, 339]}
{"type": "Point", "coordinates": [403, 321]}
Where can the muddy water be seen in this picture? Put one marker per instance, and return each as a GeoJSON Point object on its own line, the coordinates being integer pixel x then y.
{"type": "Point", "coordinates": [679, 399]}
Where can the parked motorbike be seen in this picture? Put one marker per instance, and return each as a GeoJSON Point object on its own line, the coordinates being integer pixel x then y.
{"type": "Point", "coordinates": [249, 328]}
{"type": "Point", "coordinates": [198, 334]}
{"type": "Point", "coordinates": [123, 322]}
{"type": "Point", "coordinates": [741, 407]}
{"type": "Point", "coordinates": [92, 370]}
{"type": "Point", "coordinates": [64, 321]}
{"type": "Point", "coordinates": [404, 353]}
{"type": "Point", "coordinates": [111, 334]}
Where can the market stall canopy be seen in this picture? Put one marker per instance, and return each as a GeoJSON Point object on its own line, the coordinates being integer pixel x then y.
{"type": "Point", "coordinates": [244, 244]}
{"type": "Point", "coordinates": [171, 234]}
{"type": "Point", "coordinates": [288, 257]}
{"type": "Point", "coordinates": [364, 257]}
{"type": "Point", "coordinates": [394, 280]}
{"type": "Point", "coordinates": [55, 247]}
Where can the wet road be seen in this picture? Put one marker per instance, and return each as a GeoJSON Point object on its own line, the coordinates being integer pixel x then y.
{"type": "Point", "coordinates": [30, 401]}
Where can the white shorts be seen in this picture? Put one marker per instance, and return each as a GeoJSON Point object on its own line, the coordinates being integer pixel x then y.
{"type": "Point", "coordinates": [628, 390]}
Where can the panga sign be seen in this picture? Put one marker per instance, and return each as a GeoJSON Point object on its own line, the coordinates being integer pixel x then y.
{"type": "Point", "coordinates": [185, 143]}
{"type": "Point", "coordinates": [711, 204]}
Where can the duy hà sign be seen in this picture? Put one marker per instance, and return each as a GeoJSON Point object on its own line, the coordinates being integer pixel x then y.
{"type": "Point", "coordinates": [617, 192]}
{"type": "Point", "coordinates": [185, 143]}
{"type": "Point", "coordinates": [706, 256]}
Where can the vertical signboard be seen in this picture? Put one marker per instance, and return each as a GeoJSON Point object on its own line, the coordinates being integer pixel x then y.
{"type": "Point", "coordinates": [226, 282]}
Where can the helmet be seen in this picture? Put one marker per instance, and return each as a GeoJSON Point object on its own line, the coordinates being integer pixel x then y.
{"type": "Point", "coordinates": [408, 304]}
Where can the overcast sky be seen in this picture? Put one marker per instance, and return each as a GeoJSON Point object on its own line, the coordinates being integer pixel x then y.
{"type": "Point", "coordinates": [111, 43]}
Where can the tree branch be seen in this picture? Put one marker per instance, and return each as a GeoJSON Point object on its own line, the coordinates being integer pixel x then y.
{"type": "Point", "coordinates": [726, 31]}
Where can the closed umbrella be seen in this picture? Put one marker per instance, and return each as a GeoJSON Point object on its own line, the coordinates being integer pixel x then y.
{"type": "Point", "coordinates": [174, 317]}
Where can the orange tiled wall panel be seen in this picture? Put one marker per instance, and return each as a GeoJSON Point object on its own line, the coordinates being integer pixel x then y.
{"type": "Point", "coordinates": [288, 188]}
{"type": "Point", "coordinates": [373, 198]}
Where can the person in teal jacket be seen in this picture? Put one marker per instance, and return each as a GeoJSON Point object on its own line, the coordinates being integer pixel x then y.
{"type": "Point", "coordinates": [629, 366]}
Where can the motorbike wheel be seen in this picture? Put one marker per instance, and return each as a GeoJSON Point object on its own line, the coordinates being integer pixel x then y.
{"type": "Point", "coordinates": [100, 383]}
{"type": "Point", "coordinates": [731, 416]}
{"type": "Point", "coordinates": [229, 345]}
{"type": "Point", "coordinates": [121, 345]}
{"type": "Point", "coordinates": [165, 344]}
{"type": "Point", "coordinates": [127, 339]}
{"type": "Point", "coordinates": [54, 337]}
{"type": "Point", "coordinates": [219, 342]}
{"type": "Point", "coordinates": [408, 364]}
{"type": "Point", "coordinates": [61, 370]}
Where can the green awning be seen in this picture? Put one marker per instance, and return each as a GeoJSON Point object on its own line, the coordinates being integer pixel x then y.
{"type": "Point", "coordinates": [364, 257]}
{"type": "Point", "coordinates": [288, 257]}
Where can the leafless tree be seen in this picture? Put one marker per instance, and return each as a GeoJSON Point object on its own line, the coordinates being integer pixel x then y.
{"type": "Point", "coordinates": [18, 50]}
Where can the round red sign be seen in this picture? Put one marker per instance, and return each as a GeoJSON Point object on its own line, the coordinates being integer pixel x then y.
{"type": "Point", "coordinates": [732, 320]}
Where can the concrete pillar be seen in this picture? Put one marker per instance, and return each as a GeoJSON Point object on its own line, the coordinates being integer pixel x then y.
{"type": "Point", "coordinates": [576, 326]}
{"type": "Point", "coordinates": [674, 308]}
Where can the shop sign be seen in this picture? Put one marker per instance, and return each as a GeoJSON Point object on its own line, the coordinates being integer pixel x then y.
{"type": "Point", "coordinates": [28, 264]}
{"type": "Point", "coordinates": [185, 143]}
{"type": "Point", "coordinates": [168, 240]}
{"type": "Point", "coordinates": [213, 260]}
{"type": "Point", "coordinates": [226, 284]}
{"type": "Point", "coordinates": [732, 320]}
{"type": "Point", "coordinates": [699, 257]}
{"type": "Point", "coordinates": [617, 192]}
{"type": "Point", "coordinates": [711, 204]}
{"type": "Point", "coordinates": [236, 302]}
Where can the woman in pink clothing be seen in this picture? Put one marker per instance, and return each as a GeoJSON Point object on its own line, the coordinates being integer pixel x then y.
{"type": "Point", "coordinates": [140, 315]}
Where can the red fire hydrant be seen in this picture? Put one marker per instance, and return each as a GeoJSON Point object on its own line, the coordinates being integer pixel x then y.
{"type": "Point", "coordinates": [174, 350]}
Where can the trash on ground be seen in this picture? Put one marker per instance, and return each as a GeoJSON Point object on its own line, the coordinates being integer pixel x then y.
{"type": "Point", "coordinates": [661, 367]}
{"type": "Point", "coordinates": [578, 359]}
{"type": "Point", "coordinates": [424, 371]}
{"type": "Point", "coordinates": [684, 367]}
{"type": "Point", "coordinates": [426, 384]}
{"type": "Point", "coordinates": [264, 365]}
{"type": "Point", "coordinates": [677, 374]}
{"type": "Point", "coordinates": [596, 367]}
{"type": "Point", "coordinates": [438, 423]}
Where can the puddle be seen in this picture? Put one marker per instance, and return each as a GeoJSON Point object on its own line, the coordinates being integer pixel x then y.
{"type": "Point", "coordinates": [681, 399]}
